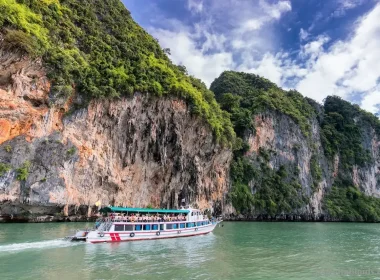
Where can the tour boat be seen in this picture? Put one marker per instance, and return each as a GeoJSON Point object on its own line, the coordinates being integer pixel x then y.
{"type": "Point", "coordinates": [132, 224]}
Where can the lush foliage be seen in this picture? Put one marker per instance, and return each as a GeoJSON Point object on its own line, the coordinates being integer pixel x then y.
{"type": "Point", "coordinates": [23, 171]}
{"type": "Point", "coordinates": [345, 129]}
{"type": "Point", "coordinates": [349, 204]}
{"type": "Point", "coordinates": [242, 172]}
{"type": "Point", "coordinates": [276, 191]}
{"type": "Point", "coordinates": [255, 94]}
{"type": "Point", "coordinates": [342, 132]}
{"type": "Point", "coordinates": [244, 95]}
{"type": "Point", "coordinates": [4, 168]}
{"type": "Point", "coordinates": [316, 171]}
{"type": "Point", "coordinates": [71, 151]}
{"type": "Point", "coordinates": [95, 47]}
{"type": "Point", "coordinates": [8, 148]}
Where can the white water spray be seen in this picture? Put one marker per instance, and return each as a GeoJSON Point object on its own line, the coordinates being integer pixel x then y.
{"type": "Point", "coordinates": [56, 243]}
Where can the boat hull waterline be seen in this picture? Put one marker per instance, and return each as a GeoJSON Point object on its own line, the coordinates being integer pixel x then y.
{"type": "Point", "coordinates": [120, 225]}
{"type": "Point", "coordinates": [108, 237]}
{"type": "Point", "coordinates": [94, 237]}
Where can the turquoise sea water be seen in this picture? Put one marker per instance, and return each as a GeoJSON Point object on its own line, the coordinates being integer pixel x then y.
{"type": "Point", "coordinates": [238, 250]}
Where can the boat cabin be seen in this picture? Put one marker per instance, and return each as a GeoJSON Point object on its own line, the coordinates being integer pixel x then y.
{"type": "Point", "coordinates": [121, 219]}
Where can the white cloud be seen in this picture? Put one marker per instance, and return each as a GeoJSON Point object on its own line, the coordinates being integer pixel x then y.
{"type": "Point", "coordinates": [345, 68]}
{"type": "Point", "coordinates": [303, 34]}
{"type": "Point", "coordinates": [246, 42]}
{"type": "Point", "coordinates": [371, 100]}
{"type": "Point", "coordinates": [195, 5]}
{"type": "Point", "coordinates": [205, 50]}
{"type": "Point", "coordinates": [268, 13]}
{"type": "Point", "coordinates": [275, 11]}
{"type": "Point", "coordinates": [344, 5]}
{"type": "Point", "coordinates": [185, 51]}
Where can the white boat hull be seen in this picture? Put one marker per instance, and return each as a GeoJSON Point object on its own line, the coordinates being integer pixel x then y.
{"type": "Point", "coordinates": [113, 236]}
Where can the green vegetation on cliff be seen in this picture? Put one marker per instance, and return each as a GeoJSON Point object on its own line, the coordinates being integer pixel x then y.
{"type": "Point", "coordinates": [4, 168]}
{"type": "Point", "coordinates": [244, 95]}
{"type": "Point", "coordinates": [342, 132]}
{"type": "Point", "coordinates": [95, 47]}
{"type": "Point", "coordinates": [278, 191]}
{"type": "Point", "coordinates": [349, 204]}
{"type": "Point", "coordinates": [257, 94]}
{"type": "Point", "coordinates": [23, 171]}
{"type": "Point", "coordinates": [346, 132]}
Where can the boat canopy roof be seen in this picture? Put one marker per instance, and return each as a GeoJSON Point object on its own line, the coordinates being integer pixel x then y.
{"type": "Point", "coordinates": [142, 210]}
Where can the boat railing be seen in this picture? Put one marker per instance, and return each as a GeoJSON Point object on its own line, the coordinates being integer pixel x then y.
{"type": "Point", "coordinates": [152, 221]}
{"type": "Point", "coordinates": [148, 220]}
{"type": "Point", "coordinates": [105, 225]}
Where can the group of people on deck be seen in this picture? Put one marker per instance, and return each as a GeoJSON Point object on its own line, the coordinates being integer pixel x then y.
{"type": "Point", "coordinates": [146, 218]}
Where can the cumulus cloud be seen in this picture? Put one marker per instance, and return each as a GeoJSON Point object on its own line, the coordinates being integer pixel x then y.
{"type": "Point", "coordinates": [184, 51]}
{"type": "Point", "coordinates": [347, 67]}
{"type": "Point", "coordinates": [240, 37]}
{"type": "Point", "coordinates": [268, 13]}
{"type": "Point", "coordinates": [207, 49]}
{"type": "Point", "coordinates": [344, 68]}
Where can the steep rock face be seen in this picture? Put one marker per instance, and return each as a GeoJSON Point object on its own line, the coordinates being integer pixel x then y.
{"type": "Point", "coordinates": [23, 98]}
{"type": "Point", "coordinates": [367, 178]}
{"type": "Point", "coordinates": [137, 152]}
{"type": "Point", "coordinates": [288, 146]}
{"type": "Point", "coordinates": [299, 159]}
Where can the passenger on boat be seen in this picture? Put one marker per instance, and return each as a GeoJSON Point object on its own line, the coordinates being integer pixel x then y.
{"type": "Point", "coordinates": [146, 218]}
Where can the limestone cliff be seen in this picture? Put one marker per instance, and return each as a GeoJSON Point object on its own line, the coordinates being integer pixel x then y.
{"type": "Point", "coordinates": [288, 146]}
{"type": "Point", "coordinates": [135, 151]}
{"type": "Point", "coordinates": [92, 111]}
{"type": "Point", "coordinates": [301, 160]}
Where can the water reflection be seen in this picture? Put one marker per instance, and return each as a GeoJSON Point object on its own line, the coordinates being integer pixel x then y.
{"type": "Point", "coordinates": [145, 258]}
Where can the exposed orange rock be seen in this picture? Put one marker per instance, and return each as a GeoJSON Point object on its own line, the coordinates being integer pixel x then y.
{"type": "Point", "coordinates": [23, 101]}
{"type": "Point", "coordinates": [264, 135]}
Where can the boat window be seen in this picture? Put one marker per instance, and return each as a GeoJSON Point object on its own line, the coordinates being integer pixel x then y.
{"type": "Point", "coordinates": [182, 225]}
{"type": "Point", "coordinates": [154, 227]}
{"type": "Point", "coordinates": [189, 225]}
{"type": "Point", "coordinates": [161, 227]}
{"type": "Point", "coordinates": [146, 227]}
{"type": "Point", "coordinates": [175, 226]}
{"type": "Point", "coordinates": [138, 227]}
{"type": "Point", "coordinates": [119, 227]}
{"type": "Point", "coordinates": [199, 224]}
{"type": "Point", "coordinates": [128, 228]}
{"type": "Point", "coordinates": [169, 226]}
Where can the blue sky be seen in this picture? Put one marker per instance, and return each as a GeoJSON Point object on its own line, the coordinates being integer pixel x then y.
{"type": "Point", "coordinates": [319, 47]}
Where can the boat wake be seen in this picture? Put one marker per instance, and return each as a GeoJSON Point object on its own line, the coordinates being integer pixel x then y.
{"type": "Point", "coordinates": [48, 244]}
